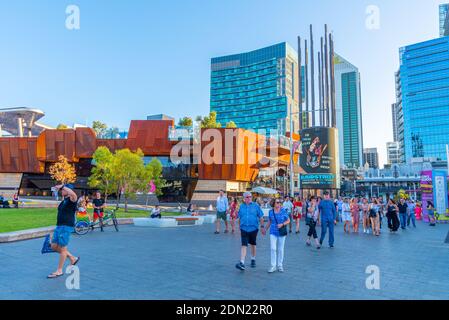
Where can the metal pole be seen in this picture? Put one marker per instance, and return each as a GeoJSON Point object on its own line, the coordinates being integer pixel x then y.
{"type": "Point", "coordinates": [322, 112]}
{"type": "Point", "coordinates": [307, 83]}
{"type": "Point", "coordinates": [292, 192]}
{"type": "Point", "coordinates": [312, 75]}
{"type": "Point", "coordinates": [332, 79]}
{"type": "Point", "coordinates": [319, 88]}
{"type": "Point", "coordinates": [326, 67]}
{"type": "Point", "coordinates": [300, 83]}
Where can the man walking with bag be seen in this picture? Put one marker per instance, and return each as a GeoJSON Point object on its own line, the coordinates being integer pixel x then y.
{"type": "Point", "coordinates": [64, 227]}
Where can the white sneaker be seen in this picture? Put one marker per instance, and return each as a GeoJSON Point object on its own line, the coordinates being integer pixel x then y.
{"type": "Point", "coordinates": [280, 269]}
{"type": "Point", "coordinates": [272, 269]}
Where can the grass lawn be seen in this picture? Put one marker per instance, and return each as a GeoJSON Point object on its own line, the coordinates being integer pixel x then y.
{"type": "Point", "coordinates": [22, 219]}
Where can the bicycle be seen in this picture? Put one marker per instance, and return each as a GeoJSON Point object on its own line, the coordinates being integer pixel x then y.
{"type": "Point", "coordinates": [82, 227]}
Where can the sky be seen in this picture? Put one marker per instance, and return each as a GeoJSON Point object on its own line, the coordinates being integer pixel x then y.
{"type": "Point", "coordinates": [130, 59]}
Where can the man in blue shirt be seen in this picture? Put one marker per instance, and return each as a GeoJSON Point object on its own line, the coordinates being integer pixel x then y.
{"type": "Point", "coordinates": [222, 211]}
{"type": "Point", "coordinates": [249, 217]}
{"type": "Point", "coordinates": [328, 218]}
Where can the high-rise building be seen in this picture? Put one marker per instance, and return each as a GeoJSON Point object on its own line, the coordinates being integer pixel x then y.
{"type": "Point", "coordinates": [444, 20]}
{"type": "Point", "coordinates": [393, 153]}
{"type": "Point", "coordinates": [423, 100]}
{"type": "Point", "coordinates": [256, 89]}
{"type": "Point", "coordinates": [394, 117]}
{"type": "Point", "coordinates": [371, 157]}
{"type": "Point", "coordinates": [349, 113]}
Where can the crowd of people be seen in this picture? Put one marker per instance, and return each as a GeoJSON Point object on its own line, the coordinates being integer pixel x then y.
{"type": "Point", "coordinates": [356, 214]}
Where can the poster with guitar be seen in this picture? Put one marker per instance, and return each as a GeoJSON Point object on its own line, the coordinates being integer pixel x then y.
{"type": "Point", "coordinates": [319, 158]}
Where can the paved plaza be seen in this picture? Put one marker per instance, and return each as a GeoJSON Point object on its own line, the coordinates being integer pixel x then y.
{"type": "Point", "coordinates": [193, 263]}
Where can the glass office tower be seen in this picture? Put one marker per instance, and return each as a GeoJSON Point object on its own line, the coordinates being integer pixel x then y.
{"type": "Point", "coordinates": [444, 20]}
{"type": "Point", "coordinates": [256, 89]}
{"type": "Point", "coordinates": [424, 97]}
{"type": "Point", "coordinates": [349, 113]}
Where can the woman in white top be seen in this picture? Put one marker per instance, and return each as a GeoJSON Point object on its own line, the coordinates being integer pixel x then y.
{"type": "Point", "coordinates": [346, 215]}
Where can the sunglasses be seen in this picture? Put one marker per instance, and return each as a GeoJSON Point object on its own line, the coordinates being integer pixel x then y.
{"type": "Point", "coordinates": [277, 202]}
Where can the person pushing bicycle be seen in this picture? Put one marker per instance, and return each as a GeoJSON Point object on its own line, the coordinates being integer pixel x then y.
{"type": "Point", "coordinates": [98, 205]}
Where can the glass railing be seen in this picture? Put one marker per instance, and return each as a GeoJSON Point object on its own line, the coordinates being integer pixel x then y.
{"type": "Point", "coordinates": [180, 133]}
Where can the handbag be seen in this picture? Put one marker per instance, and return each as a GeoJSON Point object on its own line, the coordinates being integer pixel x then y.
{"type": "Point", "coordinates": [282, 231]}
{"type": "Point", "coordinates": [46, 247]}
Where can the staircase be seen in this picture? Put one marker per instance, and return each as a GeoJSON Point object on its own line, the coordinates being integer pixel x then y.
{"type": "Point", "coordinates": [10, 184]}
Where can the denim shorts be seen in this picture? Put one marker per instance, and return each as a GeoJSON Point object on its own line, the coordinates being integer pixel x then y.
{"type": "Point", "coordinates": [61, 235]}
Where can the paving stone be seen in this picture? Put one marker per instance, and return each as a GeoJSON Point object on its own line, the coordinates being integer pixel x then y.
{"type": "Point", "coordinates": [193, 263]}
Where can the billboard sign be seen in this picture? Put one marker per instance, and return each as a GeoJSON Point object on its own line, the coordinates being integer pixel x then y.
{"type": "Point", "coordinates": [319, 158]}
{"type": "Point", "coordinates": [426, 192]}
{"type": "Point", "coordinates": [440, 191]}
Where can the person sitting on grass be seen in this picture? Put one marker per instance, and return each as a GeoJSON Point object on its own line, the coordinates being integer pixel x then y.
{"type": "Point", "coordinates": [156, 213]}
{"type": "Point", "coordinates": [64, 227]}
{"type": "Point", "coordinates": [191, 210]}
{"type": "Point", "coordinates": [15, 201]}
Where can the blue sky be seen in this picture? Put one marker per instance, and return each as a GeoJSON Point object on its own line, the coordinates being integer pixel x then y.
{"type": "Point", "coordinates": [134, 58]}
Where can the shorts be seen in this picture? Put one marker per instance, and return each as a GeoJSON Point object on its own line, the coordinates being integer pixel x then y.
{"type": "Point", "coordinates": [98, 215]}
{"type": "Point", "coordinates": [346, 216]}
{"type": "Point", "coordinates": [222, 215]}
{"type": "Point", "coordinates": [61, 235]}
{"type": "Point", "coordinates": [249, 237]}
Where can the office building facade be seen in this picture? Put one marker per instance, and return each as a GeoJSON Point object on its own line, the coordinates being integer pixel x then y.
{"type": "Point", "coordinates": [371, 157]}
{"type": "Point", "coordinates": [444, 20]}
{"type": "Point", "coordinates": [423, 100]}
{"type": "Point", "coordinates": [394, 113]}
{"type": "Point", "coordinates": [349, 113]}
{"type": "Point", "coordinates": [256, 89]}
{"type": "Point", "coordinates": [393, 153]}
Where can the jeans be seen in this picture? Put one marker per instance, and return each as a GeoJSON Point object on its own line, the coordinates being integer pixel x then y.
{"type": "Point", "coordinates": [324, 225]}
{"type": "Point", "coordinates": [412, 217]}
{"type": "Point", "coordinates": [277, 250]}
{"type": "Point", "coordinates": [403, 218]}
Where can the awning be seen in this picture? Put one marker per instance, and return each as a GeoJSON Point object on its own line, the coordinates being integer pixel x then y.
{"type": "Point", "coordinates": [262, 190]}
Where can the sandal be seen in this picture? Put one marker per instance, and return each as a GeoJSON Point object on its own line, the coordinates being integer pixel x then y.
{"type": "Point", "coordinates": [54, 275]}
{"type": "Point", "coordinates": [77, 260]}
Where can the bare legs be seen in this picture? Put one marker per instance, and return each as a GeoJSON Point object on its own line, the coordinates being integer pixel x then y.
{"type": "Point", "coordinates": [63, 255]}
{"type": "Point", "coordinates": [243, 252]}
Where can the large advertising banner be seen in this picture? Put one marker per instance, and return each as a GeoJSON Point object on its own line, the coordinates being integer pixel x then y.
{"type": "Point", "coordinates": [319, 159]}
{"type": "Point", "coordinates": [426, 192]}
{"type": "Point", "coordinates": [439, 180]}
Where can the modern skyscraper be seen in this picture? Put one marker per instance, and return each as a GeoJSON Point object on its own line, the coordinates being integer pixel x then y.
{"type": "Point", "coordinates": [394, 113]}
{"type": "Point", "coordinates": [393, 152]}
{"type": "Point", "coordinates": [423, 108]}
{"type": "Point", "coordinates": [371, 157]}
{"type": "Point", "coordinates": [257, 88]}
{"type": "Point", "coordinates": [444, 20]}
{"type": "Point", "coordinates": [349, 113]}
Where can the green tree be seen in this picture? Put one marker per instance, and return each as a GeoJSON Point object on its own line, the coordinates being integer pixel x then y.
{"type": "Point", "coordinates": [112, 133]}
{"type": "Point", "coordinates": [102, 176]}
{"type": "Point", "coordinates": [185, 122]}
{"type": "Point", "coordinates": [402, 195]}
{"type": "Point", "coordinates": [209, 122]}
{"type": "Point", "coordinates": [62, 126]}
{"type": "Point", "coordinates": [231, 125]}
{"type": "Point", "coordinates": [99, 128]}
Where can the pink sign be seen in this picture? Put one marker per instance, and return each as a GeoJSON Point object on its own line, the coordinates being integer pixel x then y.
{"type": "Point", "coordinates": [426, 192]}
